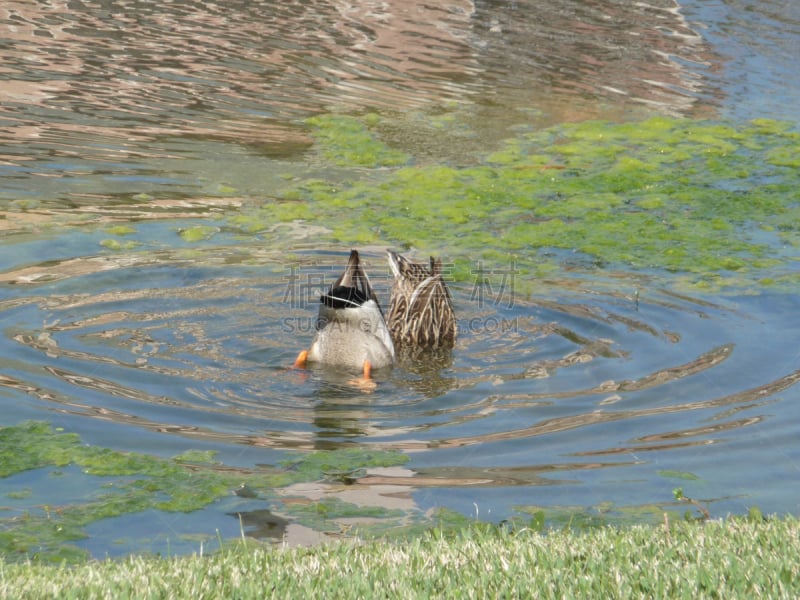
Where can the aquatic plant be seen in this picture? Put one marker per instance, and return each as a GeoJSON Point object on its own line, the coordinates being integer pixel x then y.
{"type": "Point", "coordinates": [347, 141]}
{"type": "Point", "coordinates": [119, 483]}
{"type": "Point", "coordinates": [715, 204]}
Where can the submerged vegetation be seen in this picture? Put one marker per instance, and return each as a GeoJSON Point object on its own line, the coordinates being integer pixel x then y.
{"type": "Point", "coordinates": [738, 558]}
{"type": "Point", "coordinates": [117, 483]}
{"type": "Point", "coordinates": [712, 205]}
{"type": "Point", "coordinates": [347, 141]}
{"type": "Point", "coordinates": [716, 204]}
{"type": "Point", "coordinates": [111, 484]}
{"type": "Point", "coordinates": [709, 204]}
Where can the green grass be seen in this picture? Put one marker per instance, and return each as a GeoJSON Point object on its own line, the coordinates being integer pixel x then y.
{"type": "Point", "coordinates": [737, 558]}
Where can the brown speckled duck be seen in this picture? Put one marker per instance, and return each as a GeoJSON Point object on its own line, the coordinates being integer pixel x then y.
{"type": "Point", "coordinates": [420, 314]}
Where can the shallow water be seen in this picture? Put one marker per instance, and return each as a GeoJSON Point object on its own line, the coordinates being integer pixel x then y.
{"type": "Point", "coordinates": [601, 387]}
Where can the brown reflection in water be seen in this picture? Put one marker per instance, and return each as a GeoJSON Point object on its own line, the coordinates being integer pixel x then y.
{"type": "Point", "coordinates": [15, 384]}
{"type": "Point", "coordinates": [423, 371]}
{"type": "Point", "coordinates": [416, 45]}
{"type": "Point", "coordinates": [63, 269]}
{"type": "Point", "coordinates": [675, 439]}
{"type": "Point", "coordinates": [128, 73]}
{"type": "Point", "coordinates": [701, 363]}
{"type": "Point", "coordinates": [487, 476]}
{"type": "Point", "coordinates": [109, 387]}
{"type": "Point", "coordinates": [103, 211]}
{"type": "Point", "coordinates": [587, 311]}
{"type": "Point", "coordinates": [134, 71]}
{"type": "Point", "coordinates": [284, 440]}
{"type": "Point", "coordinates": [262, 523]}
{"type": "Point", "coordinates": [627, 53]}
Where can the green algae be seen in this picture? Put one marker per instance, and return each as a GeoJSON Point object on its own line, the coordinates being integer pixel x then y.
{"type": "Point", "coordinates": [322, 515]}
{"type": "Point", "coordinates": [20, 494]}
{"type": "Point", "coordinates": [319, 464]}
{"type": "Point", "coordinates": [581, 518]}
{"type": "Point", "coordinates": [198, 233]}
{"type": "Point", "coordinates": [350, 141]}
{"type": "Point", "coordinates": [145, 481]}
{"type": "Point", "coordinates": [120, 483]}
{"type": "Point", "coordinates": [21, 448]}
{"type": "Point", "coordinates": [120, 230]}
{"type": "Point", "coordinates": [195, 456]}
{"type": "Point", "coordinates": [117, 246]}
{"type": "Point", "coordinates": [687, 197]}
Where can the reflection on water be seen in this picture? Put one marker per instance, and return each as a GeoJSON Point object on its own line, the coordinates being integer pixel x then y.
{"type": "Point", "coordinates": [136, 71]}
{"type": "Point", "coordinates": [628, 53]}
{"type": "Point", "coordinates": [534, 391]}
{"type": "Point", "coordinates": [758, 44]}
{"type": "Point", "coordinates": [136, 111]}
{"type": "Point", "coordinates": [102, 104]}
{"type": "Point", "coordinates": [106, 91]}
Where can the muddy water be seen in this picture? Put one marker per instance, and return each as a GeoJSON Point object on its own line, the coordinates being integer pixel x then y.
{"type": "Point", "coordinates": [605, 387]}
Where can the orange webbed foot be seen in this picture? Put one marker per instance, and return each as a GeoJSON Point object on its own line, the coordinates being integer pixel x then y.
{"type": "Point", "coordinates": [301, 360]}
{"type": "Point", "coordinates": [365, 383]}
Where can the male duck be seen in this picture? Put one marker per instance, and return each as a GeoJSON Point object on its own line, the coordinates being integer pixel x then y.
{"type": "Point", "coordinates": [351, 331]}
{"type": "Point", "coordinates": [420, 312]}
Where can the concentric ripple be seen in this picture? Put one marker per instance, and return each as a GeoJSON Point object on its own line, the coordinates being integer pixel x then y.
{"type": "Point", "coordinates": [586, 374]}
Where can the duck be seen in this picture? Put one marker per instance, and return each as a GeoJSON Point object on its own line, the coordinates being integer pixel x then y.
{"type": "Point", "coordinates": [351, 329]}
{"type": "Point", "coordinates": [420, 314]}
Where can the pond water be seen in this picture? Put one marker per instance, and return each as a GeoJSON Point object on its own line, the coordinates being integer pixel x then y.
{"type": "Point", "coordinates": [132, 316]}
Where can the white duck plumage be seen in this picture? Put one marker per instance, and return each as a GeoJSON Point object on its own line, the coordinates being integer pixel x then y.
{"type": "Point", "coordinates": [351, 330]}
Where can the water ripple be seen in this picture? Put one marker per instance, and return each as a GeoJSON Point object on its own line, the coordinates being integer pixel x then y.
{"type": "Point", "coordinates": [93, 85]}
{"type": "Point", "coordinates": [208, 355]}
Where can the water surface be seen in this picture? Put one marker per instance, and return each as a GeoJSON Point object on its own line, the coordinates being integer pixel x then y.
{"type": "Point", "coordinates": [601, 387]}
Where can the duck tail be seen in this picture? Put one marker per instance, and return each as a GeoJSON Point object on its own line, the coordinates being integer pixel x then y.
{"type": "Point", "coordinates": [355, 276]}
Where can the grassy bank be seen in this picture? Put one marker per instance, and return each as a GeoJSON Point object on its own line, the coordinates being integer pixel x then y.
{"type": "Point", "coordinates": [731, 559]}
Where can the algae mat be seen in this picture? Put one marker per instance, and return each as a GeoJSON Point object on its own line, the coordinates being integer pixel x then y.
{"type": "Point", "coordinates": [714, 203]}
